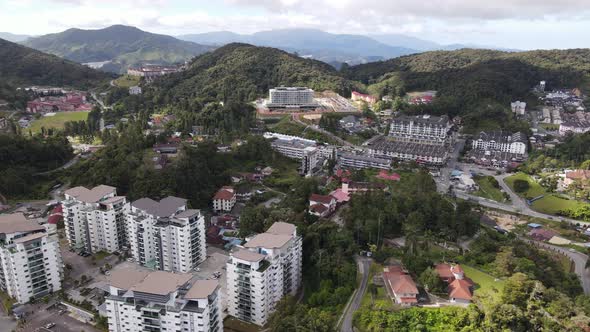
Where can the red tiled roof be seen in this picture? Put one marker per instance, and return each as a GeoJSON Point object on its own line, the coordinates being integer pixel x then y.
{"type": "Point", "coordinates": [444, 270]}
{"type": "Point", "coordinates": [399, 281]}
{"type": "Point", "coordinates": [324, 199]}
{"type": "Point", "coordinates": [223, 194]}
{"type": "Point", "coordinates": [54, 219]}
{"type": "Point", "coordinates": [340, 195]}
{"type": "Point", "coordinates": [456, 269]}
{"type": "Point", "coordinates": [319, 208]}
{"type": "Point", "coordinates": [386, 176]}
{"type": "Point", "coordinates": [459, 289]}
{"type": "Point", "coordinates": [579, 174]}
{"type": "Point", "coordinates": [408, 300]}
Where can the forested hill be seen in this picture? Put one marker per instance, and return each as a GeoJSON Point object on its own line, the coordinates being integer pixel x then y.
{"type": "Point", "coordinates": [122, 45]}
{"type": "Point", "coordinates": [20, 65]}
{"type": "Point", "coordinates": [242, 72]}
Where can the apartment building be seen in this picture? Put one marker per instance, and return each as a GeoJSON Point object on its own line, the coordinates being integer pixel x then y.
{"type": "Point", "coordinates": [162, 301]}
{"type": "Point", "coordinates": [499, 141]}
{"type": "Point", "coordinates": [423, 129]}
{"type": "Point", "coordinates": [264, 270]}
{"type": "Point", "coordinates": [295, 147]}
{"type": "Point", "coordinates": [224, 199]}
{"type": "Point", "coordinates": [30, 261]}
{"type": "Point", "coordinates": [357, 161]}
{"type": "Point", "coordinates": [291, 97]}
{"type": "Point", "coordinates": [94, 218]}
{"type": "Point", "coordinates": [431, 154]}
{"type": "Point", "coordinates": [165, 235]}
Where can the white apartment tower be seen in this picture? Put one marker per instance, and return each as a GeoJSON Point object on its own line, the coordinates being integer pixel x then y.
{"type": "Point", "coordinates": [30, 261]}
{"type": "Point", "coordinates": [291, 97]}
{"type": "Point", "coordinates": [139, 301]}
{"type": "Point", "coordinates": [264, 270]}
{"type": "Point", "coordinates": [94, 218]}
{"type": "Point", "coordinates": [165, 235]}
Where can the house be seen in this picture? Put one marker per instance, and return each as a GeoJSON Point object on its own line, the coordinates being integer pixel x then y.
{"type": "Point", "coordinates": [460, 288]}
{"type": "Point", "coordinates": [384, 175]}
{"type": "Point", "coordinates": [518, 107]}
{"type": "Point", "coordinates": [340, 196]}
{"type": "Point", "coordinates": [580, 175]}
{"type": "Point", "coordinates": [135, 90]}
{"type": "Point", "coordinates": [357, 96]}
{"type": "Point", "coordinates": [540, 234]}
{"type": "Point", "coordinates": [321, 205]}
{"type": "Point", "coordinates": [224, 199]}
{"type": "Point", "coordinates": [460, 291]}
{"type": "Point", "coordinates": [267, 171]}
{"type": "Point", "coordinates": [400, 286]}
{"type": "Point", "coordinates": [169, 148]}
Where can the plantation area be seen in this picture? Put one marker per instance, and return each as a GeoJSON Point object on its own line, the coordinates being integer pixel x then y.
{"type": "Point", "coordinates": [57, 121]}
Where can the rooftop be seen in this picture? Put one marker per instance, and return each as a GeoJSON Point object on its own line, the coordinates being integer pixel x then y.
{"type": "Point", "coordinates": [423, 119]}
{"type": "Point", "coordinates": [499, 136]}
{"type": "Point", "coordinates": [30, 237]}
{"type": "Point", "coordinates": [161, 282]}
{"type": "Point", "coordinates": [126, 278]}
{"type": "Point", "coordinates": [188, 213]}
{"type": "Point", "coordinates": [267, 240]}
{"type": "Point", "coordinates": [459, 289]}
{"type": "Point", "coordinates": [282, 228]}
{"type": "Point", "coordinates": [248, 255]}
{"type": "Point", "coordinates": [224, 194]}
{"type": "Point", "coordinates": [324, 199]}
{"type": "Point", "coordinates": [90, 195]}
{"type": "Point", "coordinates": [16, 222]}
{"type": "Point", "coordinates": [201, 289]}
{"type": "Point", "coordinates": [165, 208]}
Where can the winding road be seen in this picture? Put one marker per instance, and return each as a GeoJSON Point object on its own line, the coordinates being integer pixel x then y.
{"type": "Point", "coordinates": [364, 265]}
{"type": "Point", "coordinates": [295, 118]}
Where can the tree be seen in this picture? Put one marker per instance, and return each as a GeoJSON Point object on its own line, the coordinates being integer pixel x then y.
{"type": "Point", "coordinates": [521, 186]}
{"type": "Point", "coordinates": [517, 289]}
{"type": "Point", "coordinates": [431, 281]}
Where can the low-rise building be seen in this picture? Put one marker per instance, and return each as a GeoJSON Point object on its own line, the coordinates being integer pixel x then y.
{"type": "Point", "coordinates": [357, 161]}
{"type": "Point", "coordinates": [575, 123]}
{"type": "Point", "coordinates": [421, 129]}
{"type": "Point", "coordinates": [162, 301]}
{"type": "Point", "coordinates": [321, 205]}
{"type": "Point", "coordinates": [581, 176]}
{"type": "Point", "coordinates": [135, 90]}
{"type": "Point", "coordinates": [460, 288]}
{"type": "Point", "coordinates": [422, 153]}
{"type": "Point", "coordinates": [224, 199]}
{"type": "Point", "coordinates": [30, 260]}
{"type": "Point", "coordinates": [165, 235]}
{"type": "Point", "coordinates": [267, 268]}
{"type": "Point", "coordinates": [518, 107]}
{"type": "Point", "coordinates": [400, 286]}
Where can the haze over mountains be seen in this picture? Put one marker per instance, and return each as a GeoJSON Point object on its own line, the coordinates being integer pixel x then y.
{"type": "Point", "coordinates": [117, 46]}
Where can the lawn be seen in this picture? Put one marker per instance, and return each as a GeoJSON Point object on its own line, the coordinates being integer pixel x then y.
{"type": "Point", "coordinates": [552, 204]}
{"type": "Point", "coordinates": [534, 190]}
{"type": "Point", "coordinates": [487, 189]}
{"type": "Point", "coordinates": [235, 325]}
{"type": "Point", "coordinates": [57, 121]}
{"type": "Point", "coordinates": [485, 283]}
{"type": "Point", "coordinates": [127, 81]}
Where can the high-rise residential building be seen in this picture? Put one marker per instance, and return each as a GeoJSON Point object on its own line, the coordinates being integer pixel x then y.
{"type": "Point", "coordinates": [165, 235]}
{"type": "Point", "coordinates": [424, 129]}
{"type": "Point", "coordinates": [94, 218]}
{"type": "Point", "coordinates": [291, 97]}
{"type": "Point", "coordinates": [265, 269]}
{"type": "Point", "coordinates": [499, 141]}
{"type": "Point", "coordinates": [162, 301]}
{"type": "Point", "coordinates": [30, 260]}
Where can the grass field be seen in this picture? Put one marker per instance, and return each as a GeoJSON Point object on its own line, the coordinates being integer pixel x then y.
{"type": "Point", "coordinates": [485, 283]}
{"type": "Point", "coordinates": [552, 204]}
{"type": "Point", "coordinates": [57, 121]}
{"type": "Point", "coordinates": [127, 81]}
{"type": "Point", "coordinates": [488, 190]}
{"type": "Point", "coordinates": [235, 325]}
{"type": "Point", "coordinates": [534, 190]}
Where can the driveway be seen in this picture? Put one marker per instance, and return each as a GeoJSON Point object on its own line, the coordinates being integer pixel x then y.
{"type": "Point", "coordinates": [364, 265]}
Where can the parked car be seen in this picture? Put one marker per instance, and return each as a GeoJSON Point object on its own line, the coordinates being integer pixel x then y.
{"type": "Point", "coordinates": [49, 325]}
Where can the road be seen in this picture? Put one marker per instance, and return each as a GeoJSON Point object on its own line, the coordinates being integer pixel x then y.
{"type": "Point", "coordinates": [443, 181]}
{"type": "Point", "coordinates": [578, 258]}
{"type": "Point", "coordinates": [64, 166]}
{"type": "Point", "coordinates": [364, 265]}
{"type": "Point", "coordinates": [295, 118]}
{"type": "Point", "coordinates": [102, 105]}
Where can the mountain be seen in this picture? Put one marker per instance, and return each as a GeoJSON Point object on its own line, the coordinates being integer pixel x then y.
{"type": "Point", "coordinates": [242, 72]}
{"type": "Point", "coordinates": [427, 45]}
{"type": "Point", "coordinates": [12, 37]}
{"type": "Point", "coordinates": [122, 46]}
{"type": "Point", "coordinates": [21, 66]}
{"type": "Point", "coordinates": [311, 43]}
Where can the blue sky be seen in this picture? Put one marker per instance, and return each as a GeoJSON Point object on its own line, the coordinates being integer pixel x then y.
{"type": "Point", "coordinates": [519, 24]}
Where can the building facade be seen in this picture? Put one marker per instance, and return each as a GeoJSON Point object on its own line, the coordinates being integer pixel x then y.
{"type": "Point", "coordinates": [30, 261]}
{"type": "Point", "coordinates": [421, 129]}
{"type": "Point", "coordinates": [162, 301]}
{"type": "Point", "coordinates": [355, 161]}
{"type": "Point", "coordinates": [224, 199]}
{"type": "Point", "coordinates": [94, 218]}
{"type": "Point", "coordinates": [291, 97]}
{"type": "Point", "coordinates": [264, 270]}
{"type": "Point", "coordinates": [431, 154]}
{"type": "Point", "coordinates": [165, 235]}
{"type": "Point", "coordinates": [501, 142]}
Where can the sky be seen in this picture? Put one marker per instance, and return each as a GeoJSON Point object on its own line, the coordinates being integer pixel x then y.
{"type": "Point", "coordinates": [516, 24]}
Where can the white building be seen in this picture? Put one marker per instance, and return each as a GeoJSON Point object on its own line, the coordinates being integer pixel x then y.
{"type": "Point", "coordinates": [165, 235]}
{"type": "Point", "coordinates": [498, 141]}
{"type": "Point", "coordinates": [94, 218]}
{"type": "Point", "coordinates": [422, 153]}
{"type": "Point", "coordinates": [310, 160]}
{"type": "Point", "coordinates": [289, 97]}
{"type": "Point", "coordinates": [135, 90]}
{"type": "Point", "coordinates": [294, 147]}
{"type": "Point", "coordinates": [259, 274]}
{"type": "Point", "coordinates": [224, 199]}
{"type": "Point", "coordinates": [421, 129]}
{"type": "Point", "coordinates": [30, 261]}
{"type": "Point", "coordinates": [162, 301]}
{"type": "Point", "coordinates": [518, 107]}
{"type": "Point", "coordinates": [349, 160]}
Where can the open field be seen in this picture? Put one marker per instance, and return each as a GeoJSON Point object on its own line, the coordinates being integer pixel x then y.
{"type": "Point", "coordinates": [534, 190]}
{"type": "Point", "coordinates": [485, 283]}
{"type": "Point", "coordinates": [126, 81]}
{"type": "Point", "coordinates": [57, 121]}
{"type": "Point", "coordinates": [552, 204]}
{"type": "Point", "coordinates": [487, 189]}
{"type": "Point", "coordinates": [235, 325]}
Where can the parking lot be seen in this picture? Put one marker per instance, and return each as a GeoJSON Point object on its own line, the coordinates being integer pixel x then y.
{"type": "Point", "coordinates": [215, 262]}
{"type": "Point", "coordinates": [40, 316]}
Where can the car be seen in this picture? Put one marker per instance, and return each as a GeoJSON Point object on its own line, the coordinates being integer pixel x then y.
{"type": "Point", "coordinates": [572, 250]}
{"type": "Point", "coordinates": [107, 273]}
{"type": "Point", "coordinates": [62, 311]}
{"type": "Point", "coordinates": [49, 325]}
{"type": "Point", "coordinates": [130, 260]}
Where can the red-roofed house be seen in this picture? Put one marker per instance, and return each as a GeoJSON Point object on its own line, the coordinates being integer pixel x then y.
{"type": "Point", "coordinates": [460, 287]}
{"type": "Point", "coordinates": [340, 196]}
{"type": "Point", "coordinates": [56, 215]}
{"type": "Point", "coordinates": [321, 205]}
{"type": "Point", "coordinates": [224, 199]}
{"type": "Point", "coordinates": [384, 175]}
{"type": "Point", "coordinates": [400, 286]}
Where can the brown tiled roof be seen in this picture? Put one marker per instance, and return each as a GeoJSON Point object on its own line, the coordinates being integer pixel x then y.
{"type": "Point", "coordinates": [459, 289]}
{"type": "Point", "coordinates": [267, 240]}
{"type": "Point", "coordinates": [399, 281]}
{"type": "Point", "coordinates": [161, 282]}
{"type": "Point", "coordinates": [444, 270]}
{"type": "Point", "coordinates": [248, 255]}
{"type": "Point", "coordinates": [16, 222]}
{"type": "Point", "coordinates": [324, 199]}
{"type": "Point", "coordinates": [223, 194]}
{"type": "Point", "coordinates": [90, 195]}
{"type": "Point", "coordinates": [579, 174]}
{"type": "Point", "coordinates": [282, 228]}
{"type": "Point", "coordinates": [319, 208]}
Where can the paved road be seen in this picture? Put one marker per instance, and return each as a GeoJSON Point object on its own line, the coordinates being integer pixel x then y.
{"type": "Point", "coordinates": [99, 101]}
{"type": "Point", "coordinates": [295, 118]}
{"type": "Point", "coordinates": [578, 258]}
{"type": "Point", "coordinates": [64, 166]}
{"type": "Point", "coordinates": [364, 265]}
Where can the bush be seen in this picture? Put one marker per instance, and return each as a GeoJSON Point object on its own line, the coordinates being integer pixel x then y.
{"type": "Point", "coordinates": [521, 186]}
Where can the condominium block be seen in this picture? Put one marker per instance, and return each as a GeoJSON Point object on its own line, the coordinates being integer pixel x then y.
{"type": "Point", "coordinates": [162, 301]}
{"type": "Point", "coordinates": [291, 97]}
{"type": "Point", "coordinates": [264, 270]}
{"type": "Point", "coordinates": [165, 235]}
{"type": "Point", "coordinates": [420, 129]}
{"type": "Point", "coordinates": [30, 261]}
{"type": "Point", "coordinates": [94, 218]}
{"type": "Point", "coordinates": [498, 141]}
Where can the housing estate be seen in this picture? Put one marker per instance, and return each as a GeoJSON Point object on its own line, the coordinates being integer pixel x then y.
{"type": "Point", "coordinates": [152, 71]}
{"type": "Point", "coordinates": [69, 102]}
{"type": "Point", "coordinates": [30, 260]}
{"type": "Point", "coordinates": [576, 123]}
{"type": "Point", "coordinates": [162, 301]}
{"type": "Point", "coordinates": [165, 235]}
{"type": "Point", "coordinates": [264, 270]}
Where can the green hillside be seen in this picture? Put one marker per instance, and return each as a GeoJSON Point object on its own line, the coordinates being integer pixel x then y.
{"type": "Point", "coordinates": [124, 46]}
{"type": "Point", "coordinates": [242, 72]}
